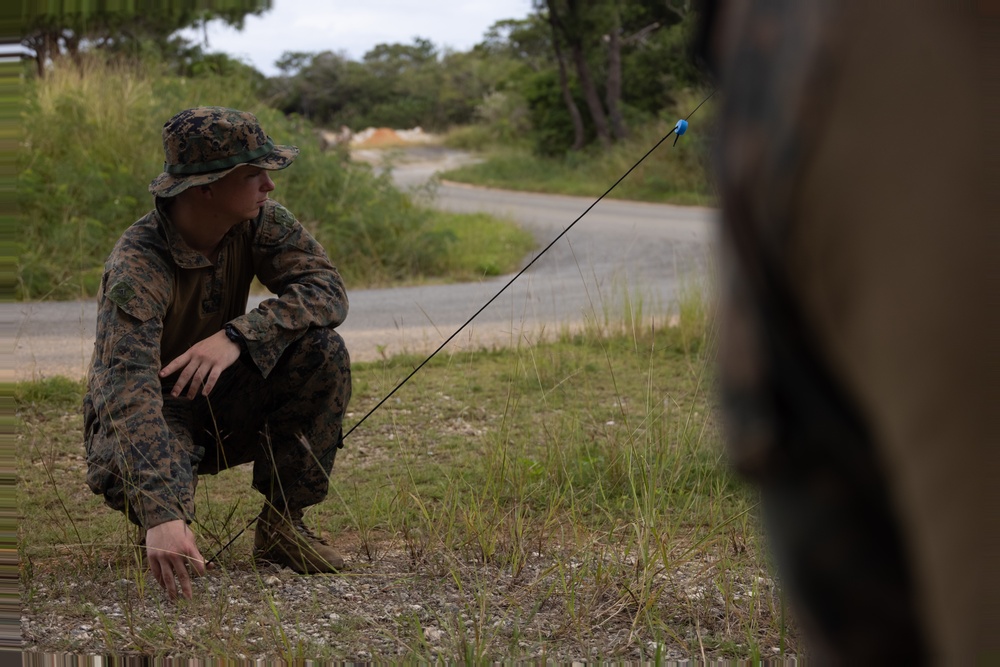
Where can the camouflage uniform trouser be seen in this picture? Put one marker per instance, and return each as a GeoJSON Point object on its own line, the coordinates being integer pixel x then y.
{"type": "Point", "coordinates": [288, 424]}
{"type": "Point", "coordinates": [859, 361]}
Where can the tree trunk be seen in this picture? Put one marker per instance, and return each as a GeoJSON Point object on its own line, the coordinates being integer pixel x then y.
{"type": "Point", "coordinates": [613, 89]}
{"type": "Point", "coordinates": [42, 49]}
{"type": "Point", "coordinates": [41, 42]}
{"type": "Point", "coordinates": [590, 95]}
{"type": "Point", "coordinates": [574, 113]}
{"type": "Point", "coordinates": [586, 82]}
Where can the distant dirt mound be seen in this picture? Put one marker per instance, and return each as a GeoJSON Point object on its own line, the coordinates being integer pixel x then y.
{"type": "Point", "coordinates": [382, 137]}
{"type": "Point", "coordinates": [375, 137]}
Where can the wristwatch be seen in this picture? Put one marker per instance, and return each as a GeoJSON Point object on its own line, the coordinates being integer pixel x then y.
{"type": "Point", "coordinates": [233, 334]}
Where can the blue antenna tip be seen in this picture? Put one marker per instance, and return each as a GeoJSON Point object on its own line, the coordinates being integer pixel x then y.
{"type": "Point", "coordinates": [681, 127]}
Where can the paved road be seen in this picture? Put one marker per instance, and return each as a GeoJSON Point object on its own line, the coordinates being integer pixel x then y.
{"type": "Point", "coordinates": [645, 250]}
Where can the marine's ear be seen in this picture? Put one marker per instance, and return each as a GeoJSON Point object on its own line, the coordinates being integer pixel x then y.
{"type": "Point", "coordinates": [196, 193]}
{"type": "Point", "coordinates": [201, 191]}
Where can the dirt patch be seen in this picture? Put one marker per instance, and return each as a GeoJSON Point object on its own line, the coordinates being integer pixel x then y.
{"type": "Point", "coordinates": [377, 138]}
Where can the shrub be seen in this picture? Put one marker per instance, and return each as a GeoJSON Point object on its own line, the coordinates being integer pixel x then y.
{"type": "Point", "coordinates": [92, 144]}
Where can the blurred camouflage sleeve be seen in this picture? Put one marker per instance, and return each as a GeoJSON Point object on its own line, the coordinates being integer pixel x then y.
{"type": "Point", "coordinates": [309, 290]}
{"type": "Point", "coordinates": [126, 433]}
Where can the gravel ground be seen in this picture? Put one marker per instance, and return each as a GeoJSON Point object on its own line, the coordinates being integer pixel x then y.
{"type": "Point", "coordinates": [399, 604]}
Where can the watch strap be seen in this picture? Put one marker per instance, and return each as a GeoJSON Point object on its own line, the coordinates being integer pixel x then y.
{"type": "Point", "coordinates": [233, 334]}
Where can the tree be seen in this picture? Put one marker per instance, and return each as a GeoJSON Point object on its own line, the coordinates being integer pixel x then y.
{"type": "Point", "coordinates": [395, 85]}
{"type": "Point", "coordinates": [574, 112]}
{"type": "Point", "coordinates": [598, 48]}
{"type": "Point", "coordinates": [520, 43]}
{"type": "Point", "coordinates": [313, 85]}
{"type": "Point", "coordinates": [398, 59]}
{"type": "Point", "coordinates": [657, 61]}
{"type": "Point", "coordinates": [50, 31]}
{"type": "Point", "coordinates": [583, 27]}
{"type": "Point", "coordinates": [613, 90]}
{"type": "Point", "coordinates": [573, 23]}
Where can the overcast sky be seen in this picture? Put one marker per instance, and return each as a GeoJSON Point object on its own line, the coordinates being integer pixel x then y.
{"type": "Point", "coordinates": [355, 26]}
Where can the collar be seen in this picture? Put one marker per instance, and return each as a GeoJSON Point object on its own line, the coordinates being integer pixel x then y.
{"type": "Point", "coordinates": [183, 255]}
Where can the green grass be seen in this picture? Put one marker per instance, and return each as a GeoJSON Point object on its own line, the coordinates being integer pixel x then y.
{"type": "Point", "coordinates": [566, 501]}
{"type": "Point", "coordinates": [481, 245]}
{"type": "Point", "coordinates": [672, 174]}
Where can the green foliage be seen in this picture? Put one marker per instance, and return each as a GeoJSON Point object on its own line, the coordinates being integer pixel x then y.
{"type": "Point", "coordinates": [92, 144]}
{"type": "Point", "coordinates": [658, 66]}
{"type": "Point", "coordinates": [678, 174]}
{"type": "Point", "coordinates": [470, 138]}
{"type": "Point", "coordinates": [482, 248]}
{"type": "Point", "coordinates": [183, 12]}
{"type": "Point", "coordinates": [522, 44]}
{"type": "Point", "coordinates": [395, 85]}
{"type": "Point", "coordinates": [502, 119]}
{"type": "Point", "coordinates": [374, 232]}
{"type": "Point", "coordinates": [130, 28]}
{"type": "Point", "coordinates": [551, 129]}
{"type": "Point", "coordinates": [57, 392]}
{"type": "Point", "coordinates": [88, 140]}
{"type": "Point", "coordinates": [191, 60]}
{"type": "Point", "coordinates": [526, 103]}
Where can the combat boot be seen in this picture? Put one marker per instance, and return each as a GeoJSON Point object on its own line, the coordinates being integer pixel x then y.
{"type": "Point", "coordinates": [282, 538]}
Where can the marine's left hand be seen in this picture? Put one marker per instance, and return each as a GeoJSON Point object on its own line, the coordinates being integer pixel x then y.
{"type": "Point", "coordinates": [202, 365]}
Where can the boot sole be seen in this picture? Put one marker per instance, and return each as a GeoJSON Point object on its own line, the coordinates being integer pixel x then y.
{"type": "Point", "coordinates": [308, 569]}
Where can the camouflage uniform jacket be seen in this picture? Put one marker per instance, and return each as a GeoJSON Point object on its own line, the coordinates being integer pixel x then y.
{"type": "Point", "coordinates": [159, 297]}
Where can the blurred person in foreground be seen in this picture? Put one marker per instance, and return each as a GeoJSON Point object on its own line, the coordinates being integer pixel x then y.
{"type": "Point", "coordinates": [185, 381]}
{"type": "Point", "coordinates": [859, 349]}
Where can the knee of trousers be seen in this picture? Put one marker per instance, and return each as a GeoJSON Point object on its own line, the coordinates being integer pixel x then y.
{"type": "Point", "coordinates": [320, 348]}
{"type": "Point", "coordinates": [317, 365]}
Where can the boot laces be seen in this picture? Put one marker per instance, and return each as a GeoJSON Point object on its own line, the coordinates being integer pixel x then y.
{"type": "Point", "coordinates": [305, 531]}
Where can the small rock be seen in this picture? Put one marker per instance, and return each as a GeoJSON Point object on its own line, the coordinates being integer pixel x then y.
{"type": "Point", "coordinates": [272, 581]}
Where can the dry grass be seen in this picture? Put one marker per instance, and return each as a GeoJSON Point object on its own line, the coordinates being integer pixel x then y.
{"type": "Point", "coordinates": [564, 501]}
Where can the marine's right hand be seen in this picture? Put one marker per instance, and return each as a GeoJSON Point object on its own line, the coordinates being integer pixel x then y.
{"type": "Point", "coordinates": [202, 364]}
{"type": "Point", "coordinates": [170, 548]}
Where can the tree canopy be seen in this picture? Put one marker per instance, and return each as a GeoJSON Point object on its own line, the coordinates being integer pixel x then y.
{"type": "Point", "coordinates": [51, 29]}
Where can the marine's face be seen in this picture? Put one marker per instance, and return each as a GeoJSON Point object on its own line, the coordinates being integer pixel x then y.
{"type": "Point", "coordinates": [242, 192]}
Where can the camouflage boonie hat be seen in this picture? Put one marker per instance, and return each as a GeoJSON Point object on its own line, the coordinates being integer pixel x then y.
{"type": "Point", "coordinates": [204, 144]}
